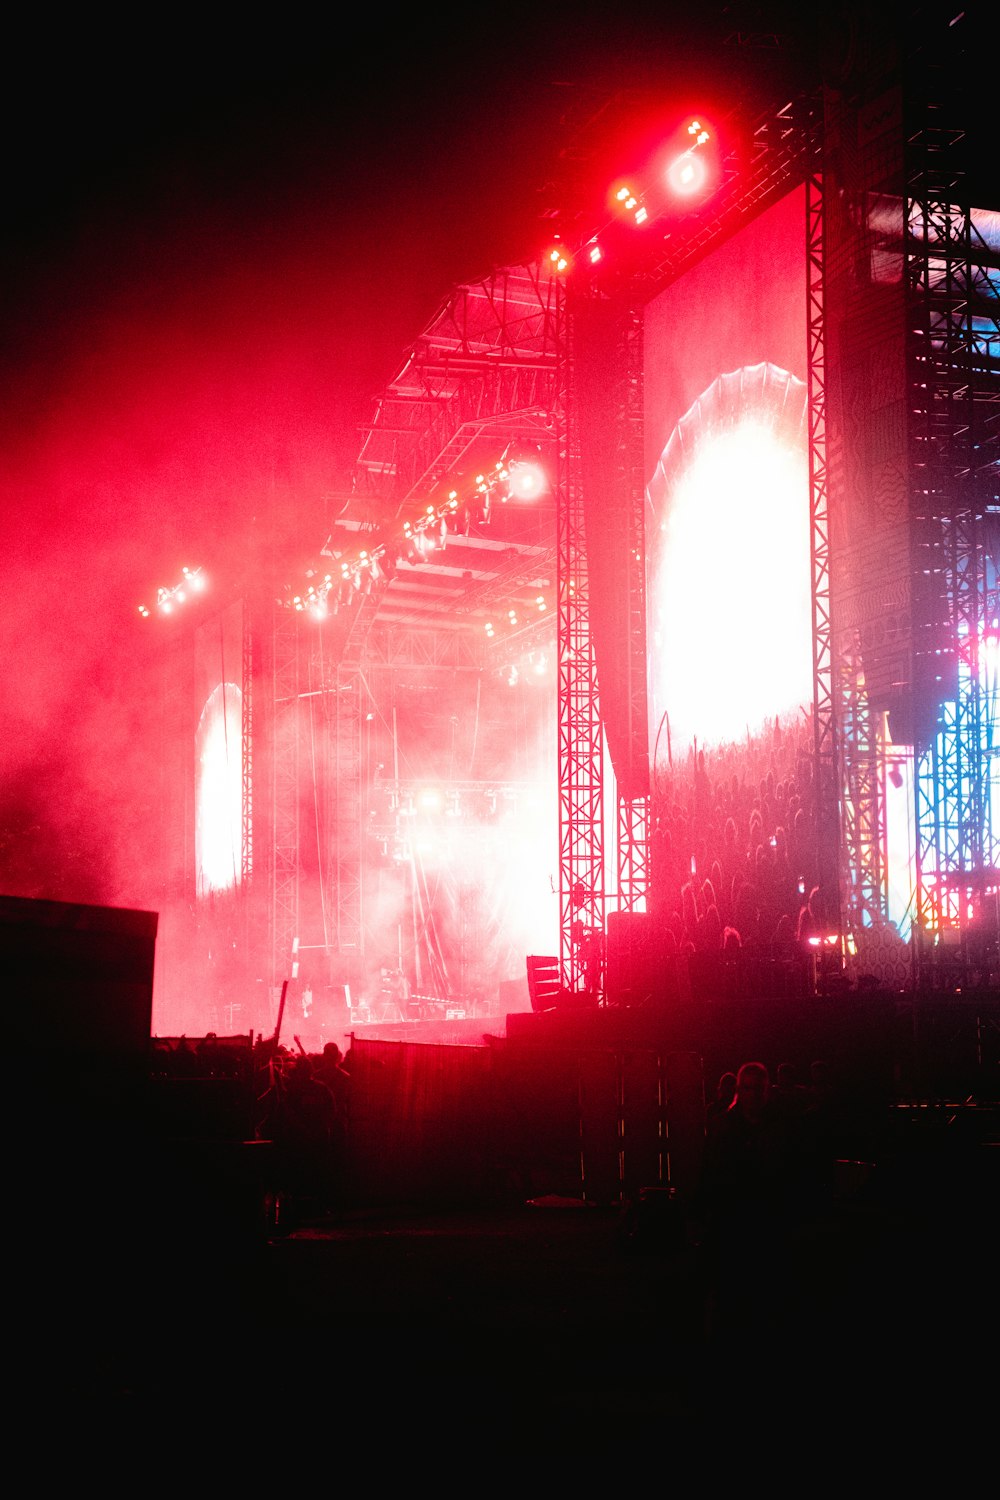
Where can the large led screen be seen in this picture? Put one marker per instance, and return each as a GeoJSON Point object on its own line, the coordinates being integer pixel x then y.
{"type": "Point", "coordinates": [728, 585]}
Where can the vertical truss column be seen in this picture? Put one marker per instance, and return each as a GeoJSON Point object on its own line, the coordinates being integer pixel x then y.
{"type": "Point", "coordinates": [581, 760]}
{"type": "Point", "coordinates": [863, 814]}
{"type": "Point", "coordinates": [955, 842]}
{"type": "Point", "coordinates": [285, 793]}
{"type": "Point", "coordinates": [824, 716]}
{"type": "Point", "coordinates": [633, 811]}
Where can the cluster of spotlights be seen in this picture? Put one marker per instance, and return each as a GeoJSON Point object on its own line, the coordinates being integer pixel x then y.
{"type": "Point", "coordinates": [428, 532]}
{"type": "Point", "coordinates": [524, 666]}
{"type": "Point", "coordinates": [515, 619]}
{"type": "Point", "coordinates": [193, 581]}
{"type": "Point", "coordinates": [356, 577]}
{"type": "Point", "coordinates": [688, 171]}
{"type": "Point", "coordinates": [683, 171]}
{"type": "Point", "coordinates": [632, 204]}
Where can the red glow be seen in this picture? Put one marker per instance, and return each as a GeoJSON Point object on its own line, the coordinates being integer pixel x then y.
{"type": "Point", "coordinates": [688, 164]}
{"type": "Point", "coordinates": [218, 791]}
{"type": "Point", "coordinates": [527, 481]}
{"type": "Point", "coordinates": [687, 174]}
{"type": "Point", "coordinates": [729, 577]}
{"type": "Point", "coordinates": [737, 523]}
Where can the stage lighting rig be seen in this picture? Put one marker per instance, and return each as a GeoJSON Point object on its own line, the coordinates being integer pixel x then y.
{"type": "Point", "coordinates": [193, 581]}
{"type": "Point", "coordinates": [631, 205]}
{"type": "Point", "coordinates": [513, 625]}
{"type": "Point", "coordinates": [681, 174]}
{"type": "Point", "coordinates": [527, 480]}
{"type": "Point", "coordinates": [417, 538]}
{"type": "Point", "coordinates": [687, 172]}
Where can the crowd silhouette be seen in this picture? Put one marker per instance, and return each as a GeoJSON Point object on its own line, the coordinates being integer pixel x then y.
{"type": "Point", "coordinates": [733, 851]}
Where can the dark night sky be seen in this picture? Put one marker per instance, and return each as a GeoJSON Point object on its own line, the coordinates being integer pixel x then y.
{"type": "Point", "coordinates": [216, 249]}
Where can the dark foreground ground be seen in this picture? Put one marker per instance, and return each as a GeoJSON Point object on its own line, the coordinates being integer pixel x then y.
{"type": "Point", "coordinates": [184, 1303]}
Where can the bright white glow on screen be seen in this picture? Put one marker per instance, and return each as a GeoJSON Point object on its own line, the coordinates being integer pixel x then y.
{"type": "Point", "coordinates": [730, 582]}
{"type": "Point", "coordinates": [218, 837]}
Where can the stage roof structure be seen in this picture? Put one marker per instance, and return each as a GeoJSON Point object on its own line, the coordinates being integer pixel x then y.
{"type": "Point", "coordinates": [476, 389]}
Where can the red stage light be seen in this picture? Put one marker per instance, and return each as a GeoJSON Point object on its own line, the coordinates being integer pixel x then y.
{"type": "Point", "coordinates": [690, 159]}
{"type": "Point", "coordinates": [527, 481]}
{"type": "Point", "coordinates": [687, 174]}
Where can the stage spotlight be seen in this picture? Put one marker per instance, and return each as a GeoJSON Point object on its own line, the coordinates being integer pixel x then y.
{"type": "Point", "coordinates": [527, 480]}
{"type": "Point", "coordinates": [692, 161]}
{"type": "Point", "coordinates": [627, 203]}
{"type": "Point", "coordinates": [687, 174]}
{"type": "Point", "coordinates": [558, 260]}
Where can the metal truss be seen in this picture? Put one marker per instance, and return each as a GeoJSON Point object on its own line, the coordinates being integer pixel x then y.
{"type": "Point", "coordinates": [633, 812]}
{"type": "Point", "coordinates": [393, 647]}
{"type": "Point", "coordinates": [777, 158]}
{"type": "Point", "coordinates": [485, 365]}
{"type": "Point", "coordinates": [633, 852]}
{"type": "Point", "coordinates": [581, 739]}
{"type": "Point", "coordinates": [952, 376]}
{"type": "Point", "coordinates": [835, 885]}
{"type": "Point", "coordinates": [862, 798]}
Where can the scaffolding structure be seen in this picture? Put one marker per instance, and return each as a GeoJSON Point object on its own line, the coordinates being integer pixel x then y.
{"type": "Point", "coordinates": [952, 369]}
{"type": "Point", "coordinates": [633, 810]}
{"type": "Point", "coordinates": [831, 874]}
{"type": "Point", "coordinates": [483, 371]}
{"type": "Point", "coordinates": [582, 894]}
{"type": "Point", "coordinates": [496, 363]}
